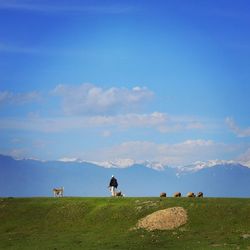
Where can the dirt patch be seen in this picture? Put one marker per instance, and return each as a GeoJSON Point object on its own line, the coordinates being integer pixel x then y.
{"type": "Point", "coordinates": [169, 218]}
{"type": "Point", "coordinates": [245, 236]}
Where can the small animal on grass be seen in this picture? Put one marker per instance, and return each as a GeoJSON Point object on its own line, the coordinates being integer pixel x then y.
{"type": "Point", "coordinates": [58, 192]}
{"type": "Point", "coordinates": [177, 194]}
{"type": "Point", "coordinates": [163, 194]}
{"type": "Point", "coordinates": [200, 194]}
{"type": "Point", "coordinates": [119, 194]}
{"type": "Point", "coordinates": [190, 194]}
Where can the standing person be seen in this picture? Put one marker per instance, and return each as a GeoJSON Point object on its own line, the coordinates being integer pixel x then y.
{"type": "Point", "coordinates": [113, 185]}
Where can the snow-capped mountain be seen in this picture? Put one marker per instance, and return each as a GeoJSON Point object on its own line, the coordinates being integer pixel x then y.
{"type": "Point", "coordinates": [157, 165]}
{"type": "Point", "coordinates": [68, 159]}
{"type": "Point", "coordinates": [117, 163]}
{"type": "Point", "coordinates": [199, 165]}
{"type": "Point", "coordinates": [37, 178]}
{"type": "Point", "coordinates": [125, 163]}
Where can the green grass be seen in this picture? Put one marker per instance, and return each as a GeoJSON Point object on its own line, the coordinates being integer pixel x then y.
{"type": "Point", "coordinates": [104, 223]}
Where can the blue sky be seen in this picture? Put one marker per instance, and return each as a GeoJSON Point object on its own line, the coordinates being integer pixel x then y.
{"type": "Point", "coordinates": [163, 81]}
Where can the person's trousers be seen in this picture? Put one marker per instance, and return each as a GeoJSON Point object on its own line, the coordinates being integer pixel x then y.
{"type": "Point", "coordinates": [113, 191]}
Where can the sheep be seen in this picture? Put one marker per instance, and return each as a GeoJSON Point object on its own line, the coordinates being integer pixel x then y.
{"type": "Point", "coordinates": [163, 194]}
{"type": "Point", "coordinates": [200, 194]}
{"type": "Point", "coordinates": [177, 194]}
{"type": "Point", "coordinates": [120, 194]}
{"type": "Point", "coordinates": [191, 194]}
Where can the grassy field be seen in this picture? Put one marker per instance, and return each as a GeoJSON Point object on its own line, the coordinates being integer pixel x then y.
{"type": "Point", "coordinates": [104, 223]}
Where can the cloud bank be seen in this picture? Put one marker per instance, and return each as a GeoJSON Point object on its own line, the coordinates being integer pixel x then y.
{"type": "Point", "coordinates": [237, 130]}
{"type": "Point", "coordinates": [11, 98]}
{"type": "Point", "coordinates": [90, 99]}
{"type": "Point", "coordinates": [179, 154]}
{"type": "Point", "coordinates": [160, 122]}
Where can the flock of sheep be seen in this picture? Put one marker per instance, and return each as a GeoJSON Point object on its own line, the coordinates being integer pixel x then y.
{"type": "Point", "coordinates": [58, 192]}
{"type": "Point", "coordinates": [178, 194]}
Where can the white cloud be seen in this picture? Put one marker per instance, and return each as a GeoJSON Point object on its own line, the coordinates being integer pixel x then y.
{"type": "Point", "coordinates": [156, 120]}
{"type": "Point", "coordinates": [90, 99]}
{"type": "Point", "coordinates": [18, 153]}
{"type": "Point", "coordinates": [244, 158]}
{"type": "Point", "coordinates": [179, 154]}
{"type": "Point", "coordinates": [7, 97]}
{"type": "Point", "coordinates": [106, 133]}
{"type": "Point", "coordinates": [237, 130]}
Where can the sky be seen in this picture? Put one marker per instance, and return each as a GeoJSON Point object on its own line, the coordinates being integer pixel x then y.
{"type": "Point", "coordinates": [163, 81]}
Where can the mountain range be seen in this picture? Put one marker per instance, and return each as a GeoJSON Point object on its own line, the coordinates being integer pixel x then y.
{"type": "Point", "coordinates": [28, 177]}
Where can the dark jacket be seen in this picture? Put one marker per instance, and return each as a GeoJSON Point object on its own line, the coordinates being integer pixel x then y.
{"type": "Point", "coordinates": [113, 182]}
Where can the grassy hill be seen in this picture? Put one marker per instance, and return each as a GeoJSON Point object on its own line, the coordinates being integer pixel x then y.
{"type": "Point", "coordinates": [104, 223]}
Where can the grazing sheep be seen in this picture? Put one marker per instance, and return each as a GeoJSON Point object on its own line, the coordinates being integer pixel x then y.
{"type": "Point", "coordinates": [163, 194]}
{"type": "Point", "coordinates": [177, 194]}
{"type": "Point", "coordinates": [190, 194]}
{"type": "Point", "coordinates": [119, 194]}
{"type": "Point", "coordinates": [200, 194]}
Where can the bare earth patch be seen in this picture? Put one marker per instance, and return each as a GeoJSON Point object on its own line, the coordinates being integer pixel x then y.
{"type": "Point", "coordinates": [169, 218]}
{"type": "Point", "coordinates": [245, 236]}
